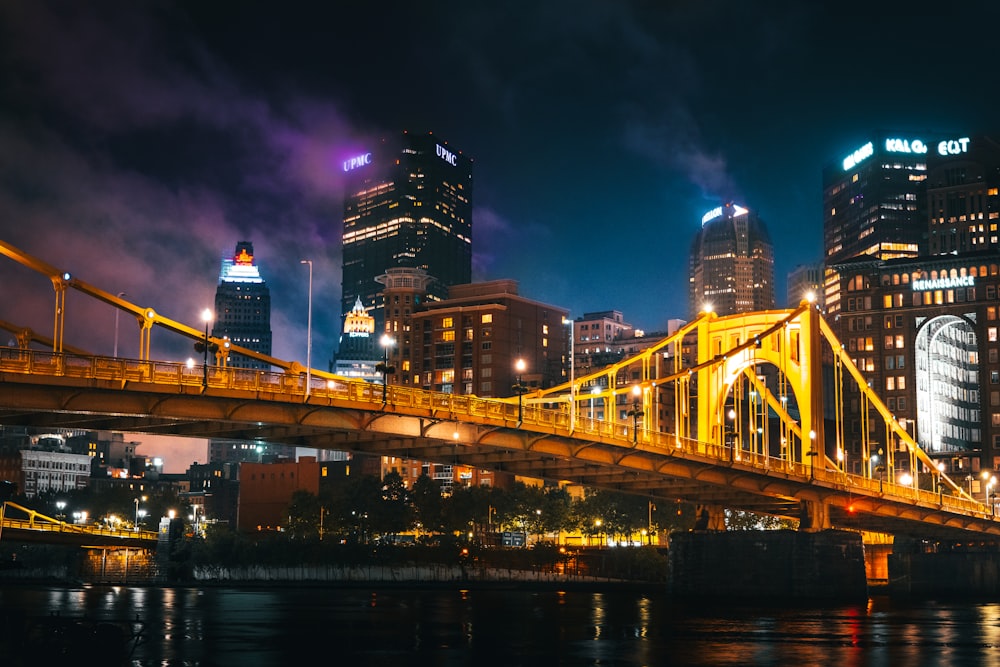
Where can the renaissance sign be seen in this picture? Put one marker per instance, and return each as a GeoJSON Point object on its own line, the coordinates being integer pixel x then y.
{"type": "Point", "coordinates": [943, 283]}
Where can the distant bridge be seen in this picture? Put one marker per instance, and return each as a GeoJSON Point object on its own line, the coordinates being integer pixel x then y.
{"type": "Point", "coordinates": [21, 524]}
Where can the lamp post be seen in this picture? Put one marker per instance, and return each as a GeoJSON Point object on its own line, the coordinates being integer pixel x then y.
{"type": "Point", "coordinates": [117, 310]}
{"type": "Point", "coordinates": [572, 375]}
{"type": "Point", "coordinates": [593, 392]}
{"type": "Point", "coordinates": [731, 435]}
{"type": "Point", "coordinates": [206, 316]}
{"type": "Point", "coordinates": [309, 327]}
{"type": "Point", "coordinates": [635, 413]}
{"type": "Point", "coordinates": [136, 524]}
{"type": "Point", "coordinates": [519, 366]}
{"type": "Point", "coordinates": [60, 506]}
{"type": "Point", "coordinates": [384, 367]}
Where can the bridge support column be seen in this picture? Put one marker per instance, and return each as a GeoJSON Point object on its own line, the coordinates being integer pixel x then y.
{"type": "Point", "coordinates": [778, 564]}
{"type": "Point", "coordinates": [710, 517]}
{"type": "Point", "coordinates": [945, 570]}
{"type": "Point", "coordinates": [814, 515]}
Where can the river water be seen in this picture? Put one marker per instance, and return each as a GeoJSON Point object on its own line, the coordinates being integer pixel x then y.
{"type": "Point", "coordinates": [251, 627]}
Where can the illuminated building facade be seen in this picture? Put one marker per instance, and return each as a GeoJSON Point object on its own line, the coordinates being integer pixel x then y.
{"type": "Point", "coordinates": [909, 195]}
{"type": "Point", "coordinates": [925, 333]}
{"type": "Point", "coordinates": [243, 307]}
{"type": "Point", "coordinates": [409, 204]}
{"type": "Point", "coordinates": [731, 263]}
{"type": "Point", "coordinates": [356, 357]}
{"type": "Point", "coordinates": [469, 342]}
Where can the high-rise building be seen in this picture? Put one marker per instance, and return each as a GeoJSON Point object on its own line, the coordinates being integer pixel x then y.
{"type": "Point", "coordinates": [963, 182]}
{"type": "Point", "coordinates": [243, 307]}
{"type": "Point", "coordinates": [409, 204]}
{"type": "Point", "coordinates": [912, 252]}
{"type": "Point", "coordinates": [731, 263]}
{"type": "Point", "coordinates": [356, 354]}
{"type": "Point", "coordinates": [805, 281]}
{"type": "Point", "coordinates": [924, 334]}
{"type": "Point", "coordinates": [875, 199]}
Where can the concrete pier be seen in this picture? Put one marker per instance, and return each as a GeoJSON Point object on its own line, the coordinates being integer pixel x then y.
{"type": "Point", "coordinates": [827, 565]}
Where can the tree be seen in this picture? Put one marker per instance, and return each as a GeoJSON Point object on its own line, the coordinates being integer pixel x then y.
{"type": "Point", "coordinates": [303, 515]}
{"type": "Point", "coordinates": [428, 509]}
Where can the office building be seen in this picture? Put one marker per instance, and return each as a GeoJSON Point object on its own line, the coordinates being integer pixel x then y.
{"type": "Point", "coordinates": [408, 204]}
{"type": "Point", "coordinates": [804, 282]}
{"type": "Point", "coordinates": [243, 307]}
{"type": "Point", "coordinates": [924, 333]}
{"type": "Point", "coordinates": [356, 357]}
{"type": "Point", "coordinates": [906, 194]}
{"type": "Point", "coordinates": [469, 343]}
{"type": "Point", "coordinates": [731, 263]}
{"type": "Point", "coordinates": [963, 181]}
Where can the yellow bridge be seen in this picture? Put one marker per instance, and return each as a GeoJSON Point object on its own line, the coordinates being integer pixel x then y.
{"type": "Point", "coordinates": [753, 420]}
{"type": "Point", "coordinates": [22, 524]}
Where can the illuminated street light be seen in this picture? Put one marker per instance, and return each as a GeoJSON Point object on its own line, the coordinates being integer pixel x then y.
{"type": "Point", "coordinates": [520, 365]}
{"type": "Point", "coordinates": [60, 506]}
{"type": "Point", "coordinates": [136, 525]}
{"type": "Point", "coordinates": [635, 413]}
{"type": "Point", "coordinates": [206, 316]}
{"type": "Point", "coordinates": [593, 392]}
{"type": "Point", "coordinates": [383, 367]}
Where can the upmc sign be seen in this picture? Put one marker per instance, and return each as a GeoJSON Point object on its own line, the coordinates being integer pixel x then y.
{"type": "Point", "coordinates": [353, 163]}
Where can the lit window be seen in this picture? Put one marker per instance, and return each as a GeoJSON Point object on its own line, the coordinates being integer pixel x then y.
{"type": "Point", "coordinates": [487, 318]}
{"type": "Point", "coordinates": [447, 323]}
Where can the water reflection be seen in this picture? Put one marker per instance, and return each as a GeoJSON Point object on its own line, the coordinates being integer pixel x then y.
{"type": "Point", "coordinates": [308, 626]}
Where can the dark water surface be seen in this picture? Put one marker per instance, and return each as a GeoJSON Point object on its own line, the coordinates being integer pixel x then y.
{"type": "Point", "coordinates": [252, 627]}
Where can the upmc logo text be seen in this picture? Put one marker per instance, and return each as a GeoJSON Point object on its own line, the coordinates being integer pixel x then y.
{"type": "Point", "coordinates": [357, 161]}
{"type": "Point", "coordinates": [447, 155]}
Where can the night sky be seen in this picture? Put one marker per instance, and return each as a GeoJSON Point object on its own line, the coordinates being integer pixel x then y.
{"type": "Point", "coordinates": [140, 141]}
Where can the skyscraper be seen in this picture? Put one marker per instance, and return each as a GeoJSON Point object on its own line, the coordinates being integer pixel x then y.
{"type": "Point", "coordinates": [409, 204]}
{"type": "Point", "coordinates": [963, 195]}
{"type": "Point", "coordinates": [732, 263]}
{"type": "Point", "coordinates": [912, 260]}
{"type": "Point", "coordinates": [243, 307]}
{"type": "Point", "coordinates": [873, 205]}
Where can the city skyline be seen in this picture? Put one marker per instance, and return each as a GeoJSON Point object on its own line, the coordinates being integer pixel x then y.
{"type": "Point", "coordinates": [158, 138]}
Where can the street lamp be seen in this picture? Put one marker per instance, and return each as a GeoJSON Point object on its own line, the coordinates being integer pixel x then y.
{"type": "Point", "coordinates": [731, 435]}
{"type": "Point", "coordinates": [572, 374]}
{"type": "Point", "coordinates": [593, 392]}
{"type": "Point", "coordinates": [206, 316]}
{"type": "Point", "coordinates": [519, 366]}
{"type": "Point", "coordinates": [384, 368]}
{"type": "Point", "coordinates": [635, 413]}
{"type": "Point", "coordinates": [309, 326]}
{"type": "Point", "coordinates": [136, 524]}
{"type": "Point", "coordinates": [60, 505]}
{"type": "Point", "coordinates": [117, 310]}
